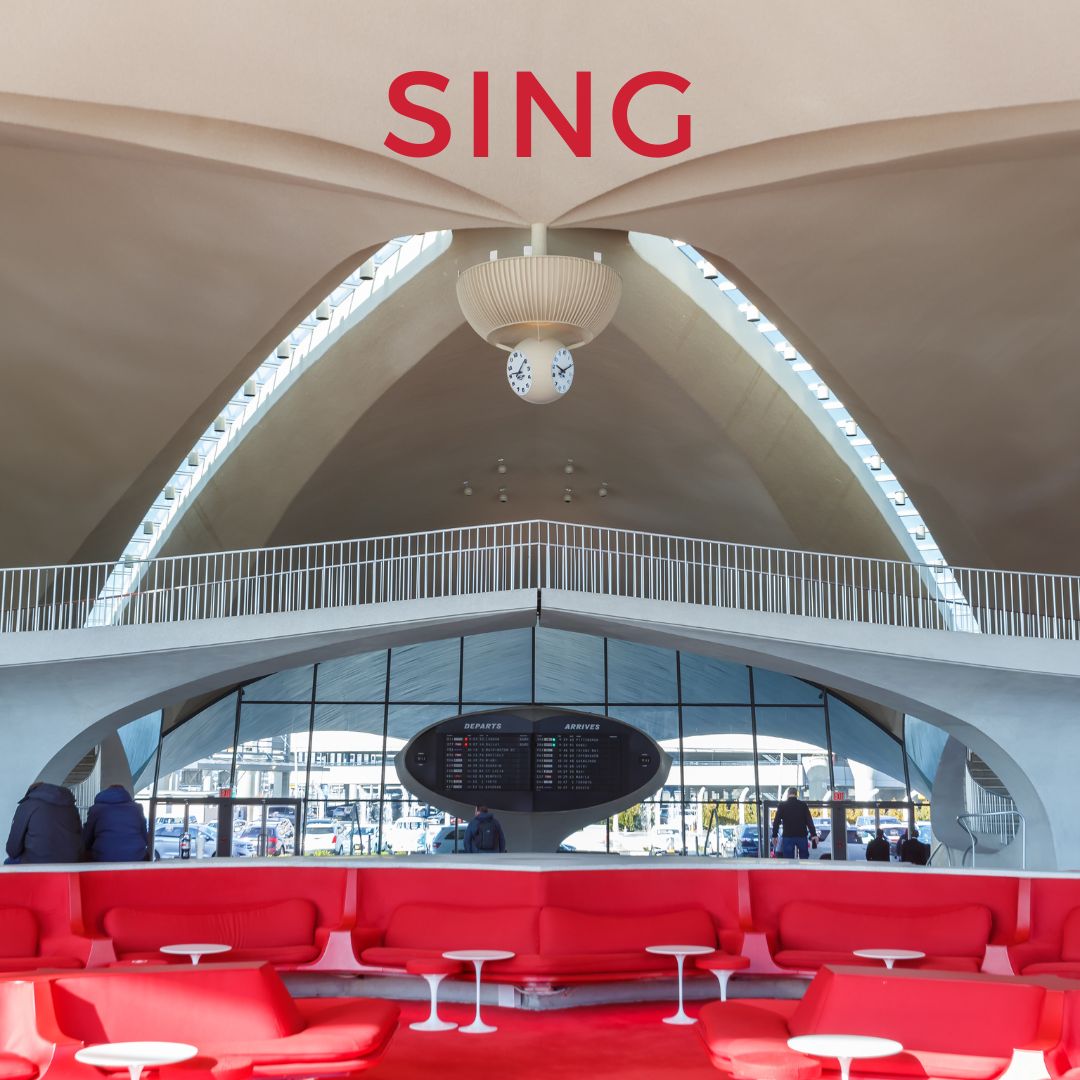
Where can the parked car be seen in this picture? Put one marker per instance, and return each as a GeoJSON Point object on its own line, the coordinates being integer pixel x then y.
{"type": "Point", "coordinates": [167, 841]}
{"type": "Point", "coordinates": [747, 846]}
{"type": "Point", "coordinates": [407, 836]}
{"type": "Point", "coordinates": [449, 840]}
{"type": "Point", "coordinates": [325, 836]}
{"type": "Point", "coordinates": [856, 848]}
{"type": "Point", "coordinates": [729, 840]}
{"type": "Point", "coordinates": [665, 840]}
{"type": "Point", "coordinates": [248, 840]}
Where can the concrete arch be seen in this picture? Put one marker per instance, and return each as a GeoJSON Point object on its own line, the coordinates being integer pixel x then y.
{"type": "Point", "coordinates": [88, 683]}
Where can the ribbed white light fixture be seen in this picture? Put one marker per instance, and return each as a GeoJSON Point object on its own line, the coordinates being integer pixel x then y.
{"type": "Point", "coordinates": [556, 297]}
{"type": "Point", "coordinates": [322, 312]}
{"type": "Point", "coordinates": [284, 350]}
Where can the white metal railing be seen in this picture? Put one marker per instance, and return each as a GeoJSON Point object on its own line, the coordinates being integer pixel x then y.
{"type": "Point", "coordinates": [1001, 825]}
{"type": "Point", "coordinates": [534, 555]}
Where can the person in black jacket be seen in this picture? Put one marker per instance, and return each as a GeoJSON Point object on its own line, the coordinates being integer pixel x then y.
{"type": "Point", "coordinates": [484, 833]}
{"type": "Point", "coordinates": [46, 827]}
{"type": "Point", "coordinates": [115, 829]}
{"type": "Point", "coordinates": [878, 848]}
{"type": "Point", "coordinates": [913, 850]}
{"type": "Point", "coordinates": [798, 826]}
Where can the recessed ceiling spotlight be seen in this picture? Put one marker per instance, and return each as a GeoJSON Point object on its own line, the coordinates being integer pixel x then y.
{"type": "Point", "coordinates": [466, 488]}
{"type": "Point", "coordinates": [568, 494]}
{"type": "Point", "coordinates": [500, 468]}
{"type": "Point", "coordinates": [568, 468]}
{"type": "Point", "coordinates": [503, 497]}
{"type": "Point", "coordinates": [603, 492]}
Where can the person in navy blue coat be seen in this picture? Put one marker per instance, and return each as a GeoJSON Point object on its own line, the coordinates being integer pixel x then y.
{"type": "Point", "coordinates": [46, 827]}
{"type": "Point", "coordinates": [115, 829]}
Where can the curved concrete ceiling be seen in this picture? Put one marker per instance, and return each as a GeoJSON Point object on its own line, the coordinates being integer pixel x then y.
{"type": "Point", "coordinates": [694, 436]}
{"type": "Point", "coordinates": [896, 185]}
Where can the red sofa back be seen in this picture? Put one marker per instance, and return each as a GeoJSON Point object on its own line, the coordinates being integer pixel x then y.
{"type": "Point", "coordinates": [959, 931]}
{"type": "Point", "coordinates": [563, 931]}
{"type": "Point", "coordinates": [289, 922]}
{"type": "Point", "coordinates": [194, 1004]}
{"type": "Point", "coordinates": [981, 1016]}
{"type": "Point", "coordinates": [18, 932]}
{"type": "Point", "coordinates": [440, 927]}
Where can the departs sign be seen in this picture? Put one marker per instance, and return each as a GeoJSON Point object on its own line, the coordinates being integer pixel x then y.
{"type": "Point", "coordinates": [528, 92]}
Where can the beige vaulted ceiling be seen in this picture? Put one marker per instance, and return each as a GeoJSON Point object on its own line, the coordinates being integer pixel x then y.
{"type": "Point", "coordinates": [895, 183]}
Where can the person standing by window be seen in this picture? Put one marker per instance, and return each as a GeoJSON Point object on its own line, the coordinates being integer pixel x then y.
{"type": "Point", "coordinates": [793, 817]}
{"type": "Point", "coordinates": [484, 833]}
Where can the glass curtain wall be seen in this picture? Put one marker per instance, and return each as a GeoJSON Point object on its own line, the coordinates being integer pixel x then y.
{"type": "Point", "coordinates": [323, 738]}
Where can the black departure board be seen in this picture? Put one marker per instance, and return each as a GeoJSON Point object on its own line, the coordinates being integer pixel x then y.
{"type": "Point", "coordinates": [573, 761]}
{"type": "Point", "coordinates": [487, 761]}
{"type": "Point", "coordinates": [531, 759]}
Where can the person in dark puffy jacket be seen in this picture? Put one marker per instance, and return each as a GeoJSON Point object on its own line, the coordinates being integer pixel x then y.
{"type": "Point", "coordinates": [484, 833]}
{"type": "Point", "coordinates": [115, 829]}
{"type": "Point", "coordinates": [46, 827]}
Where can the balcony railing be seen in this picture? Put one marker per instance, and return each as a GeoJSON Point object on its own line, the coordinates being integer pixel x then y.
{"type": "Point", "coordinates": [536, 555]}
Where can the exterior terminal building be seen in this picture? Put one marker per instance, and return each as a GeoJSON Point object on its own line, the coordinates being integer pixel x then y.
{"type": "Point", "coordinates": [691, 405]}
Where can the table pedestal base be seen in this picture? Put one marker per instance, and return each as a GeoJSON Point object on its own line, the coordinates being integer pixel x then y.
{"type": "Point", "coordinates": [433, 1022]}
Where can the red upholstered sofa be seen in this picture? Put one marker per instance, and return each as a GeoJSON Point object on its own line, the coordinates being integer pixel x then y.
{"type": "Point", "coordinates": [283, 933]}
{"type": "Point", "coordinates": [810, 934]}
{"type": "Point", "coordinates": [229, 1011]}
{"type": "Point", "coordinates": [952, 1026]}
{"type": "Point", "coordinates": [35, 923]}
{"type": "Point", "coordinates": [1060, 956]}
{"type": "Point", "coordinates": [553, 945]}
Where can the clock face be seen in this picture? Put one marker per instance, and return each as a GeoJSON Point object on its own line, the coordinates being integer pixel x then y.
{"type": "Point", "coordinates": [562, 370]}
{"type": "Point", "coordinates": [519, 373]}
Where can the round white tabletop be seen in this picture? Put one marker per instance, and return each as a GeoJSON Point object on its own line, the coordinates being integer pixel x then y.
{"type": "Point", "coordinates": [478, 957]}
{"type": "Point", "coordinates": [889, 956]}
{"type": "Point", "coordinates": [135, 1056]}
{"type": "Point", "coordinates": [195, 950]}
{"type": "Point", "coordinates": [680, 952]}
{"type": "Point", "coordinates": [845, 1048]}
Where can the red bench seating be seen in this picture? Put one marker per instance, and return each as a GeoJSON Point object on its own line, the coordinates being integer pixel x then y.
{"type": "Point", "coordinates": [952, 1026]}
{"type": "Point", "coordinates": [283, 933]}
{"type": "Point", "coordinates": [36, 925]}
{"type": "Point", "coordinates": [231, 1012]}
{"type": "Point", "coordinates": [552, 944]}
{"type": "Point", "coordinates": [1061, 957]}
{"type": "Point", "coordinates": [812, 934]}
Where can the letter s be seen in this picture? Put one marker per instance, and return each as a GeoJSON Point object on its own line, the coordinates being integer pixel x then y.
{"type": "Point", "coordinates": [621, 122]}
{"type": "Point", "coordinates": [399, 102]}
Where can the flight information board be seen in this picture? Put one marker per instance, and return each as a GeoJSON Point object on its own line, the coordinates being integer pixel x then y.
{"type": "Point", "coordinates": [486, 761]}
{"type": "Point", "coordinates": [531, 759]}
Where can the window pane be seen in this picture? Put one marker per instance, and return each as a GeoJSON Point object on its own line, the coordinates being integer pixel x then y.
{"type": "Point", "coordinates": [708, 681]}
{"type": "Point", "coordinates": [792, 752]}
{"type": "Point", "coordinates": [272, 751]}
{"type": "Point", "coordinates": [640, 673]}
{"type": "Point", "coordinates": [197, 755]}
{"type": "Point", "coordinates": [868, 762]}
{"type": "Point", "coordinates": [356, 678]}
{"type": "Point", "coordinates": [772, 688]}
{"type": "Point", "coordinates": [569, 667]}
{"type": "Point", "coordinates": [291, 685]}
{"type": "Point", "coordinates": [425, 672]}
{"type": "Point", "coordinates": [139, 739]}
{"type": "Point", "coordinates": [925, 744]}
{"type": "Point", "coordinates": [498, 667]}
{"type": "Point", "coordinates": [346, 761]}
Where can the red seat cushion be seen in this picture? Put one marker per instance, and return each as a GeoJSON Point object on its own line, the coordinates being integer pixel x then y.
{"type": "Point", "coordinates": [732, 1027]}
{"type": "Point", "coordinates": [563, 930]}
{"type": "Point", "coordinates": [13, 1067]}
{"type": "Point", "coordinates": [38, 963]}
{"type": "Point", "coordinates": [811, 959]}
{"type": "Point", "coordinates": [433, 965]}
{"type": "Point", "coordinates": [208, 1068]}
{"type": "Point", "coordinates": [722, 962]}
{"type": "Point", "coordinates": [1068, 969]}
{"type": "Point", "coordinates": [774, 1065]}
{"type": "Point", "coordinates": [1070, 936]}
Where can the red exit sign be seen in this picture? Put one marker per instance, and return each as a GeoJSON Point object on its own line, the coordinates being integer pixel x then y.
{"type": "Point", "coordinates": [838, 796]}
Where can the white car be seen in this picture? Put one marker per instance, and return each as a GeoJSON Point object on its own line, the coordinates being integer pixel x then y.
{"type": "Point", "coordinates": [324, 836]}
{"type": "Point", "coordinates": [408, 835]}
